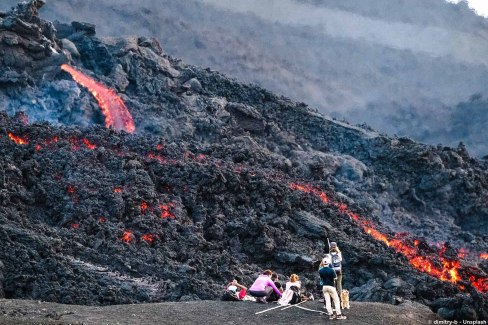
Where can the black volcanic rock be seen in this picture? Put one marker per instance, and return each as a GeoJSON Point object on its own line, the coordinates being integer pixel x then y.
{"type": "Point", "coordinates": [203, 191]}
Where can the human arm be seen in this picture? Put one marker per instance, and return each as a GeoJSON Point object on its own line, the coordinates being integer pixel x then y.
{"type": "Point", "coordinates": [240, 286]}
{"type": "Point", "coordinates": [272, 285]}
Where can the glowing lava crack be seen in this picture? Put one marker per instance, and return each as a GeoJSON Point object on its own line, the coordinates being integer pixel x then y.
{"type": "Point", "coordinates": [116, 113]}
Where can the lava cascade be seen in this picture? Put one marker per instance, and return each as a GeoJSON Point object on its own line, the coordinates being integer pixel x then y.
{"type": "Point", "coordinates": [113, 108]}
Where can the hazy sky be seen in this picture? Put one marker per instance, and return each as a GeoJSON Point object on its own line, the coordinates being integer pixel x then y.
{"type": "Point", "coordinates": [481, 6]}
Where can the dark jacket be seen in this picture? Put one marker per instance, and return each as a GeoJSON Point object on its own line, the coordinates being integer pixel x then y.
{"type": "Point", "coordinates": [327, 276]}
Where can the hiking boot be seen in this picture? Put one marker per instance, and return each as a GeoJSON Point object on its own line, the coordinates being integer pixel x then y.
{"type": "Point", "coordinates": [341, 317]}
{"type": "Point", "coordinates": [332, 316]}
{"type": "Point", "coordinates": [262, 300]}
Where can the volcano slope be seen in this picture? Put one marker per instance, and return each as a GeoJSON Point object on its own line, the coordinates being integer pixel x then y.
{"type": "Point", "coordinates": [219, 180]}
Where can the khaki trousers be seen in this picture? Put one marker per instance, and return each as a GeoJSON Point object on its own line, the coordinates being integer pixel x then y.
{"type": "Point", "coordinates": [329, 292]}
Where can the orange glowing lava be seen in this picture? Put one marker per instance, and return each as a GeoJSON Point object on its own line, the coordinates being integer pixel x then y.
{"type": "Point", "coordinates": [18, 139]}
{"type": "Point", "coordinates": [113, 108]}
{"type": "Point", "coordinates": [159, 158]}
{"type": "Point", "coordinates": [149, 238]}
{"type": "Point", "coordinates": [434, 264]}
{"type": "Point", "coordinates": [143, 207]}
{"type": "Point", "coordinates": [88, 144]}
{"type": "Point", "coordinates": [484, 256]}
{"type": "Point", "coordinates": [118, 190]}
{"type": "Point", "coordinates": [165, 211]}
{"type": "Point", "coordinates": [127, 236]}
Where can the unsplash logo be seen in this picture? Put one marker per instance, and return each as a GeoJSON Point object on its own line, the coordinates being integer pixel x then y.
{"type": "Point", "coordinates": [455, 322]}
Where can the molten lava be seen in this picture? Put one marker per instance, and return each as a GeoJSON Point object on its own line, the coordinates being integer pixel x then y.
{"type": "Point", "coordinates": [143, 207]}
{"type": "Point", "coordinates": [148, 238]}
{"type": "Point", "coordinates": [88, 144]}
{"type": "Point", "coordinates": [18, 139]}
{"type": "Point", "coordinates": [113, 108]}
{"type": "Point", "coordinates": [484, 256]}
{"type": "Point", "coordinates": [436, 265]}
{"type": "Point", "coordinates": [165, 211]}
{"type": "Point", "coordinates": [127, 236]}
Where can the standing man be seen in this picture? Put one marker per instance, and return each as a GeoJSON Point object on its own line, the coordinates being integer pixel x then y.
{"type": "Point", "coordinates": [327, 277]}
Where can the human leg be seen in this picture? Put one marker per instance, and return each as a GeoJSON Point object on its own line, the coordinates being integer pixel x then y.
{"type": "Point", "coordinates": [337, 304]}
{"type": "Point", "coordinates": [339, 283]}
{"type": "Point", "coordinates": [326, 292]}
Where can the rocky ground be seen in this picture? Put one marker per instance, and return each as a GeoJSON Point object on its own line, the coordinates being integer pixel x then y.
{"type": "Point", "coordinates": [220, 180]}
{"type": "Point", "coordinates": [208, 312]}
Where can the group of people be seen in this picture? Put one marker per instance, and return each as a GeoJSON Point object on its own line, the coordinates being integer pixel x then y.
{"type": "Point", "coordinates": [267, 288]}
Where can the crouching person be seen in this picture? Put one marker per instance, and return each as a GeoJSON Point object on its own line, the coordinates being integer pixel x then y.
{"type": "Point", "coordinates": [327, 278]}
{"type": "Point", "coordinates": [263, 287]}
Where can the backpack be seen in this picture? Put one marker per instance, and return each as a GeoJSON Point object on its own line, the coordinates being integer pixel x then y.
{"type": "Point", "coordinates": [296, 298]}
{"type": "Point", "coordinates": [336, 263]}
{"type": "Point", "coordinates": [230, 296]}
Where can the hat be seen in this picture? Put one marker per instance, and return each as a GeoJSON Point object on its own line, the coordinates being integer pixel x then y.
{"type": "Point", "coordinates": [333, 244]}
{"type": "Point", "coordinates": [232, 288]}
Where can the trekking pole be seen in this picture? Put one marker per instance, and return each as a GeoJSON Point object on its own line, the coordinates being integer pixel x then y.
{"type": "Point", "coordinates": [313, 310]}
{"type": "Point", "coordinates": [294, 305]}
{"type": "Point", "coordinates": [263, 311]}
{"type": "Point", "coordinates": [328, 243]}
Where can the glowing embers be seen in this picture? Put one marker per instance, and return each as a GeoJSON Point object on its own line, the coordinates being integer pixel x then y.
{"type": "Point", "coordinates": [18, 139]}
{"type": "Point", "coordinates": [113, 108]}
{"type": "Point", "coordinates": [484, 256]}
{"type": "Point", "coordinates": [166, 210]}
{"type": "Point", "coordinates": [127, 237]}
{"type": "Point", "coordinates": [149, 238]}
{"type": "Point", "coordinates": [435, 264]}
{"type": "Point", "coordinates": [144, 206]}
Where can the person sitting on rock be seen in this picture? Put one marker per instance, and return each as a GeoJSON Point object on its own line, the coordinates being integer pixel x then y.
{"type": "Point", "coordinates": [235, 291]}
{"type": "Point", "coordinates": [263, 287]}
{"type": "Point", "coordinates": [292, 292]}
{"type": "Point", "coordinates": [327, 277]}
{"type": "Point", "coordinates": [274, 296]}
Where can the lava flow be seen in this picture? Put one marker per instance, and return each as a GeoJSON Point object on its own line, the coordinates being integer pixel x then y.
{"type": "Point", "coordinates": [437, 266]}
{"type": "Point", "coordinates": [116, 113]}
{"type": "Point", "coordinates": [18, 139]}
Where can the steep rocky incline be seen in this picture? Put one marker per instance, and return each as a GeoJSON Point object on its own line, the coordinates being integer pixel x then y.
{"type": "Point", "coordinates": [219, 180]}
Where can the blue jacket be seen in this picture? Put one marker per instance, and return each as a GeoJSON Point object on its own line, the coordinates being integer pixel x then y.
{"type": "Point", "coordinates": [327, 276]}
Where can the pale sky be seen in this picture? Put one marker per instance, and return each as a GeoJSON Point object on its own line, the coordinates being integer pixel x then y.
{"type": "Point", "coordinates": [481, 6]}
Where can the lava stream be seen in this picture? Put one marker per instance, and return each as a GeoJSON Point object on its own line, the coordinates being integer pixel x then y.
{"type": "Point", "coordinates": [437, 266]}
{"type": "Point", "coordinates": [18, 139]}
{"type": "Point", "coordinates": [116, 113]}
